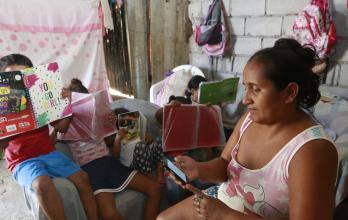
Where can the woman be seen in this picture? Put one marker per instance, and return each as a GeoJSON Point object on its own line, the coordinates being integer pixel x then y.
{"type": "Point", "coordinates": [273, 164]}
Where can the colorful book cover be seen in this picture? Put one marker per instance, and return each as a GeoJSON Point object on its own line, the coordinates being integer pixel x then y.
{"type": "Point", "coordinates": [135, 125]}
{"type": "Point", "coordinates": [91, 117]}
{"type": "Point", "coordinates": [192, 126]}
{"type": "Point", "coordinates": [30, 99]}
{"type": "Point", "coordinates": [224, 91]}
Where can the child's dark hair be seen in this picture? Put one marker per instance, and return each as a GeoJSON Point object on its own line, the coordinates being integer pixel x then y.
{"type": "Point", "coordinates": [77, 86]}
{"type": "Point", "coordinates": [287, 61]}
{"type": "Point", "coordinates": [14, 59]}
{"type": "Point", "coordinates": [194, 84]}
{"type": "Point", "coordinates": [181, 99]}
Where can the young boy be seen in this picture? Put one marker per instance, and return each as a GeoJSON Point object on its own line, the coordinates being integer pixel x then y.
{"type": "Point", "coordinates": [33, 160]}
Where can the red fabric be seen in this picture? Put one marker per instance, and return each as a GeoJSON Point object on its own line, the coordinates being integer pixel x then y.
{"type": "Point", "coordinates": [28, 145]}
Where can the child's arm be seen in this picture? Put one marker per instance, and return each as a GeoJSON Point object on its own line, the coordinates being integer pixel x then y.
{"type": "Point", "coordinates": [148, 138]}
{"type": "Point", "coordinates": [116, 148]}
{"type": "Point", "coordinates": [160, 173]}
{"type": "Point", "coordinates": [4, 143]}
{"type": "Point", "coordinates": [62, 125]}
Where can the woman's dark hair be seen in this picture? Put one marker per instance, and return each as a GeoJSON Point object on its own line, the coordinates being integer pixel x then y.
{"type": "Point", "coordinates": [287, 61]}
{"type": "Point", "coordinates": [77, 86]}
{"type": "Point", "coordinates": [14, 59]}
{"type": "Point", "coordinates": [194, 84]}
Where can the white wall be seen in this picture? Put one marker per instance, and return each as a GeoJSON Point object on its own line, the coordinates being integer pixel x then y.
{"type": "Point", "coordinates": [258, 23]}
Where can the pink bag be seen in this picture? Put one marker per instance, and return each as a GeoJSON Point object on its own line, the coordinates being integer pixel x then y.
{"type": "Point", "coordinates": [224, 47]}
{"type": "Point", "coordinates": [219, 49]}
{"type": "Point", "coordinates": [314, 26]}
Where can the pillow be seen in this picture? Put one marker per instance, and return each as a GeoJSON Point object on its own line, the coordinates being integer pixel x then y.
{"type": "Point", "coordinates": [175, 84]}
{"type": "Point", "coordinates": [333, 115]}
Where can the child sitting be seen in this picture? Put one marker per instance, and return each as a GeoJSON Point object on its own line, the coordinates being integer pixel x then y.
{"type": "Point", "coordinates": [34, 161]}
{"type": "Point", "coordinates": [108, 175]}
{"type": "Point", "coordinates": [191, 96]}
{"type": "Point", "coordinates": [143, 156]}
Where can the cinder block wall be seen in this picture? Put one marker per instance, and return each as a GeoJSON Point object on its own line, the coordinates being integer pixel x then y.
{"type": "Point", "coordinates": [258, 24]}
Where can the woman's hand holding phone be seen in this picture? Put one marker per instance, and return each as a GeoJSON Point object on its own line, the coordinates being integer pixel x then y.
{"type": "Point", "coordinates": [183, 170]}
{"type": "Point", "coordinates": [188, 165]}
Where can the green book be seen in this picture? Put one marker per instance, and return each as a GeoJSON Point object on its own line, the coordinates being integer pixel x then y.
{"type": "Point", "coordinates": [216, 92]}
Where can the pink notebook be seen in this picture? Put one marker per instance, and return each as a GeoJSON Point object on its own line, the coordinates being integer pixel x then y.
{"type": "Point", "coordinates": [91, 117]}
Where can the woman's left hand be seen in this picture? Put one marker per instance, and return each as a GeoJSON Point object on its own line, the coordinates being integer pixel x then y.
{"type": "Point", "coordinates": [209, 208]}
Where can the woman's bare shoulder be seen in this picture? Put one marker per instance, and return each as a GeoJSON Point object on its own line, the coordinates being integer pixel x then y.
{"type": "Point", "coordinates": [320, 152]}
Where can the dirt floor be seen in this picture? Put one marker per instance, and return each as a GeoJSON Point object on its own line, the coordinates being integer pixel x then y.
{"type": "Point", "coordinates": [12, 204]}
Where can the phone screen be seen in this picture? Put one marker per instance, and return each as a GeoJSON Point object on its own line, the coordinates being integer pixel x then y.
{"type": "Point", "coordinates": [171, 166]}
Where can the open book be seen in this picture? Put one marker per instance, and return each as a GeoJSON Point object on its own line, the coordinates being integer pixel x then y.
{"type": "Point", "coordinates": [135, 125]}
{"type": "Point", "coordinates": [30, 99]}
{"type": "Point", "coordinates": [217, 92]}
{"type": "Point", "coordinates": [91, 118]}
{"type": "Point", "coordinates": [192, 126]}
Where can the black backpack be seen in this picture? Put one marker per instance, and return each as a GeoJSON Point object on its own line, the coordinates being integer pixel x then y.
{"type": "Point", "coordinates": [210, 29]}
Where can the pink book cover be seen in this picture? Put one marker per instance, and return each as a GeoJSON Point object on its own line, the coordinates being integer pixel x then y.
{"type": "Point", "coordinates": [91, 117]}
{"type": "Point", "coordinates": [192, 126]}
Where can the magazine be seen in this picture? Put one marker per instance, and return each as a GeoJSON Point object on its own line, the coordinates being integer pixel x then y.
{"type": "Point", "coordinates": [30, 99]}
{"type": "Point", "coordinates": [91, 117]}
{"type": "Point", "coordinates": [135, 125]}
{"type": "Point", "coordinates": [216, 92]}
{"type": "Point", "coordinates": [192, 126]}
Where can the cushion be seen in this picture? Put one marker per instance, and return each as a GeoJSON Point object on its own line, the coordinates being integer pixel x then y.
{"type": "Point", "coordinates": [333, 115]}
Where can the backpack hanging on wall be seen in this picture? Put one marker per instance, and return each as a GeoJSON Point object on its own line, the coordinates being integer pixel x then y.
{"type": "Point", "coordinates": [314, 26]}
{"type": "Point", "coordinates": [209, 31]}
{"type": "Point", "coordinates": [223, 46]}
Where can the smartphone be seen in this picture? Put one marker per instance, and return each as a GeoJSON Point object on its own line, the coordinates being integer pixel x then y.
{"type": "Point", "coordinates": [171, 167]}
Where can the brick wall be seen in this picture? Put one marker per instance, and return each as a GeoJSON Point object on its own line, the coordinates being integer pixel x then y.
{"type": "Point", "coordinates": [257, 24]}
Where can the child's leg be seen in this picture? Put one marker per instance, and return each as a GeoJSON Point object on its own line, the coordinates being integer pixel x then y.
{"type": "Point", "coordinates": [33, 175]}
{"type": "Point", "coordinates": [59, 165]}
{"type": "Point", "coordinates": [151, 188]}
{"type": "Point", "coordinates": [181, 210]}
{"type": "Point", "coordinates": [160, 173]}
{"type": "Point", "coordinates": [81, 181]}
{"type": "Point", "coordinates": [48, 197]}
{"type": "Point", "coordinates": [157, 158]}
{"type": "Point", "coordinates": [107, 206]}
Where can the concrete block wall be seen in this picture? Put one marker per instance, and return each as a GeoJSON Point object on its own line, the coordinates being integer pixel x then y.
{"type": "Point", "coordinates": [257, 24]}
